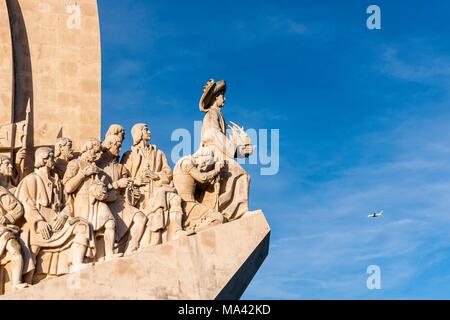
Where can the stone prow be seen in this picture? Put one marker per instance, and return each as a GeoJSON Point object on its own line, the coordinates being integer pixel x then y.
{"type": "Point", "coordinates": [217, 263]}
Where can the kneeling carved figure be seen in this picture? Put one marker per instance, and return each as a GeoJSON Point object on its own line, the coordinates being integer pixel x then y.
{"type": "Point", "coordinates": [191, 175]}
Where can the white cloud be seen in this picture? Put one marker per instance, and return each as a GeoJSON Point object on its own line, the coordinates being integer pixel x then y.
{"type": "Point", "coordinates": [424, 67]}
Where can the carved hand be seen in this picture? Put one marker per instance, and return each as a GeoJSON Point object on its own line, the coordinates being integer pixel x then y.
{"type": "Point", "coordinates": [90, 170]}
{"type": "Point", "coordinates": [245, 150]}
{"type": "Point", "coordinates": [140, 181]}
{"type": "Point", "coordinates": [21, 154]}
{"type": "Point", "coordinates": [44, 229]}
{"type": "Point", "coordinates": [152, 175]}
{"type": "Point", "coordinates": [248, 149]}
{"type": "Point", "coordinates": [123, 183]}
{"type": "Point", "coordinates": [60, 222]}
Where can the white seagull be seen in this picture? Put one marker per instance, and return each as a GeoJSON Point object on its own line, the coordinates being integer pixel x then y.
{"type": "Point", "coordinates": [376, 215]}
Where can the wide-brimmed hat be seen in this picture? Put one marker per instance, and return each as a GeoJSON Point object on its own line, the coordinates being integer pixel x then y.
{"type": "Point", "coordinates": [211, 90]}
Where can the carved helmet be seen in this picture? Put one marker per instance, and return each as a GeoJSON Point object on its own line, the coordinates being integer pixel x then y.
{"type": "Point", "coordinates": [211, 90]}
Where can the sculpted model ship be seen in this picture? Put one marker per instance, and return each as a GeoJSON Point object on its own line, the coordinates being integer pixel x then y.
{"type": "Point", "coordinates": [75, 211]}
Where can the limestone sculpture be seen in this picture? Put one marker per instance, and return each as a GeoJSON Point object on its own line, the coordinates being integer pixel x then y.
{"type": "Point", "coordinates": [63, 154]}
{"type": "Point", "coordinates": [7, 172]}
{"type": "Point", "coordinates": [230, 194]}
{"type": "Point", "coordinates": [10, 213]}
{"type": "Point", "coordinates": [84, 208]}
{"type": "Point", "coordinates": [88, 194]}
{"type": "Point", "coordinates": [55, 240]}
{"type": "Point", "coordinates": [152, 173]}
{"type": "Point", "coordinates": [191, 174]}
{"type": "Point", "coordinates": [130, 221]}
{"type": "Point", "coordinates": [69, 201]}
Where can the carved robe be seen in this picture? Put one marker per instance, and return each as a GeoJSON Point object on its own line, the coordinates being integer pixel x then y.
{"type": "Point", "coordinates": [186, 177]}
{"type": "Point", "coordinates": [234, 185]}
{"type": "Point", "coordinates": [124, 213]}
{"type": "Point", "coordinates": [84, 204]}
{"type": "Point", "coordinates": [12, 210]}
{"type": "Point", "coordinates": [150, 158]}
{"type": "Point", "coordinates": [42, 200]}
{"type": "Point", "coordinates": [155, 194]}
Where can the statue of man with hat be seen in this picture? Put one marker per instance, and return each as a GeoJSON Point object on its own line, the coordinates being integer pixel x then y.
{"type": "Point", "coordinates": [229, 194]}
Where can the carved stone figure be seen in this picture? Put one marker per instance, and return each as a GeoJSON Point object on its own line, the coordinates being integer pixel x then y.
{"type": "Point", "coordinates": [63, 154]}
{"type": "Point", "coordinates": [190, 175]}
{"type": "Point", "coordinates": [11, 212]}
{"type": "Point", "coordinates": [6, 173]}
{"type": "Point", "coordinates": [14, 142]}
{"type": "Point", "coordinates": [130, 221]}
{"type": "Point", "coordinates": [89, 194]}
{"type": "Point", "coordinates": [152, 173]}
{"type": "Point", "coordinates": [56, 241]}
{"type": "Point", "coordinates": [11, 181]}
{"type": "Point", "coordinates": [62, 211]}
{"type": "Point", "coordinates": [232, 188]}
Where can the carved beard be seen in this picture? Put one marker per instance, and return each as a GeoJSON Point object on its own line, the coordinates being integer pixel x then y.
{"type": "Point", "coordinates": [90, 158]}
{"type": "Point", "coordinates": [116, 152]}
{"type": "Point", "coordinates": [6, 170]}
{"type": "Point", "coordinates": [6, 173]}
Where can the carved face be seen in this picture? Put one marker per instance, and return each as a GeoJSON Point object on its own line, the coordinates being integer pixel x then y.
{"type": "Point", "coordinates": [50, 162]}
{"type": "Point", "coordinates": [93, 154]}
{"type": "Point", "coordinates": [146, 134]}
{"type": "Point", "coordinates": [220, 101]}
{"type": "Point", "coordinates": [98, 190]}
{"type": "Point", "coordinates": [115, 149]}
{"type": "Point", "coordinates": [97, 152]}
{"type": "Point", "coordinates": [6, 168]}
{"type": "Point", "coordinates": [67, 151]}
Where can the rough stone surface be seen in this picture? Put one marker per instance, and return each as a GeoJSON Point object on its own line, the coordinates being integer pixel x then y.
{"type": "Point", "coordinates": [6, 66]}
{"type": "Point", "coordinates": [217, 263]}
{"type": "Point", "coordinates": [50, 82]}
{"type": "Point", "coordinates": [58, 67]}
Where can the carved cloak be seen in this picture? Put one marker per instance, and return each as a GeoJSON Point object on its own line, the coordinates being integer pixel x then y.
{"type": "Point", "coordinates": [234, 180]}
{"type": "Point", "coordinates": [38, 198]}
{"type": "Point", "coordinates": [123, 212]}
{"type": "Point", "coordinates": [11, 208]}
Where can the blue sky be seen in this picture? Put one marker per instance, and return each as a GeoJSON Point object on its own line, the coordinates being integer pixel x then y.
{"type": "Point", "coordinates": [363, 118]}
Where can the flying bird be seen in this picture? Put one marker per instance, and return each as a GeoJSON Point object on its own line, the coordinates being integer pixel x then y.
{"type": "Point", "coordinates": [376, 214]}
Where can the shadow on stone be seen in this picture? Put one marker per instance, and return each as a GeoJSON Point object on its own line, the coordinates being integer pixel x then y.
{"type": "Point", "coordinates": [236, 287]}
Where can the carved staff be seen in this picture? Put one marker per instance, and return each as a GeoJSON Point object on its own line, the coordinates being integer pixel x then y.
{"type": "Point", "coordinates": [22, 129]}
{"type": "Point", "coordinates": [25, 128]}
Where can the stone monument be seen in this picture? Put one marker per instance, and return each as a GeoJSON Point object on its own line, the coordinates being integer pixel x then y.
{"type": "Point", "coordinates": [50, 67]}
{"type": "Point", "coordinates": [77, 220]}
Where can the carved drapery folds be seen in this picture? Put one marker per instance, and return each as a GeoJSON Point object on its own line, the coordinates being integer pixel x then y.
{"type": "Point", "coordinates": [80, 208]}
{"type": "Point", "coordinates": [68, 201]}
